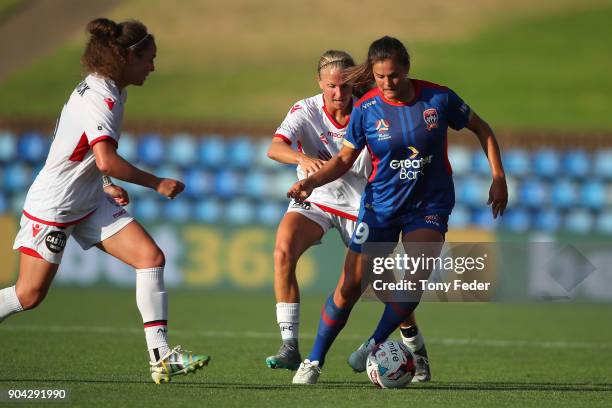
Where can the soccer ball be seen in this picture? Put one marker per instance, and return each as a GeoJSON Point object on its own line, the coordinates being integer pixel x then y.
{"type": "Point", "coordinates": [390, 365]}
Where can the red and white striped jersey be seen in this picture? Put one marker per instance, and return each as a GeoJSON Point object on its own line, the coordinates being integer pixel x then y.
{"type": "Point", "coordinates": [69, 185]}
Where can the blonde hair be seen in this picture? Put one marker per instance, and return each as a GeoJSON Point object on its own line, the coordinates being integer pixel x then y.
{"type": "Point", "coordinates": [335, 59]}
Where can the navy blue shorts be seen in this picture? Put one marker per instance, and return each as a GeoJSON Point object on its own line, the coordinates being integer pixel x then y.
{"type": "Point", "coordinates": [365, 233]}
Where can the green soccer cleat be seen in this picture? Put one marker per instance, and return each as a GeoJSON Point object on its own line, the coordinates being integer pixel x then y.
{"type": "Point", "coordinates": [177, 362]}
{"type": "Point", "coordinates": [288, 357]}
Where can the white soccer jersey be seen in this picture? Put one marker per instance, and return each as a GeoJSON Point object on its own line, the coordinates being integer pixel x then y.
{"type": "Point", "coordinates": [68, 187]}
{"type": "Point", "coordinates": [309, 128]}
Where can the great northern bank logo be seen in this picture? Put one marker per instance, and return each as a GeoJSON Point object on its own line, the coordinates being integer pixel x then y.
{"type": "Point", "coordinates": [412, 167]}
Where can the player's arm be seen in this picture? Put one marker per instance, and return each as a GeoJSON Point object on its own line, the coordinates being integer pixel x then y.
{"type": "Point", "coordinates": [333, 169]}
{"type": "Point", "coordinates": [280, 151]}
{"type": "Point", "coordinates": [113, 165]}
{"type": "Point", "coordinates": [498, 193]}
{"type": "Point", "coordinates": [114, 191]}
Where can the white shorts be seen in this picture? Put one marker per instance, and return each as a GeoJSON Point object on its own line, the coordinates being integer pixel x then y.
{"type": "Point", "coordinates": [41, 240]}
{"type": "Point", "coordinates": [327, 217]}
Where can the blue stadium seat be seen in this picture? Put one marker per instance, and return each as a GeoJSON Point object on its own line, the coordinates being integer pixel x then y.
{"type": "Point", "coordinates": [17, 177]}
{"type": "Point", "coordinates": [169, 171]}
{"type": "Point", "coordinates": [480, 163]}
{"type": "Point", "coordinates": [579, 221]}
{"type": "Point", "coordinates": [212, 152]}
{"type": "Point", "coordinates": [148, 208]}
{"type": "Point", "coordinates": [228, 184]}
{"type": "Point", "coordinates": [128, 148]}
{"type": "Point", "coordinates": [483, 218]}
{"type": "Point", "coordinates": [33, 147]}
{"type": "Point", "coordinates": [516, 162]}
{"type": "Point", "coordinates": [516, 220]}
{"type": "Point", "coordinates": [183, 150]}
{"type": "Point", "coordinates": [547, 220]}
{"type": "Point", "coordinates": [460, 158]}
{"type": "Point", "coordinates": [4, 205]}
{"type": "Point", "coordinates": [134, 190]}
{"type": "Point", "coordinates": [151, 149]}
{"type": "Point", "coordinates": [280, 183]}
{"type": "Point", "coordinates": [602, 164]}
{"type": "Point", "coordinates": [208, 210]}
{"type": "Point", "coordinates": [604, 222]}
{"type": "Point", "coordinates": [240, 212]}
{"type": "Point", "coordinates": [256, 184]}
{"type": "Point", "coordinates": [460, 218]}
{"type": "Point", "coordinates": [8, 147]}
{"type": "Point", "coordinates": [261, 154]}
{"type": "Point", "coordinates": [240, 153]}
{"type": "Point", "coordinates": [564, 194]}
{"type": "Point", "coordinates": [546, 163]}
{"type": "Point", "coordinates": [198, 183]}
{"type": "Point", "coordinates": [179, 210]}
{"type": "Point", "coordinates": [534, 193]}
{"type": "Point", "coordinates": [576, 163]}
{"type": "Point", "coordinates": [593, 195]}
{"type": "Point", "coordinates": [271, 212]}
{"type": "Point", "coordinates": [472, 191]}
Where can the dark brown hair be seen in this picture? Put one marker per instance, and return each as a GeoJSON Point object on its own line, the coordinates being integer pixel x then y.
{"type": "Point", "coordinates": [109, 44]}
{"type": "Point", "coordinates": [361, 76]}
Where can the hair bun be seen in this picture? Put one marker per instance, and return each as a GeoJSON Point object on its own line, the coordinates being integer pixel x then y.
{"type": "Point", "coordinates": [103, 27]}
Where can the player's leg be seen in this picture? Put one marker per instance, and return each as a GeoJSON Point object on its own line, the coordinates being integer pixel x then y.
{"type": "Point", "coordinates": [33, 282]}
{"type": "Point", "coordinates": [299, 230]}
{"type": "Point", "coordinates": [413, 338]}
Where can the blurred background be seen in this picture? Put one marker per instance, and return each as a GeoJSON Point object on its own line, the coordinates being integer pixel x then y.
{"type": "Point", "coordinates": [226, 74]}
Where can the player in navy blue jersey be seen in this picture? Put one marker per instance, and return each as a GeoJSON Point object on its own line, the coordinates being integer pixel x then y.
{"type": "Point", "coordinates": [403, 123]}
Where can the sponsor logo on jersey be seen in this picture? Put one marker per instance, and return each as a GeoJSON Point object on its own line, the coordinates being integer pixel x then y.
{"type": "Point", "coordinates": [368, 104]}
{"type": "Point", "coordinates": [430, 116]}
{"type": "Point", "coordinates": [110, 103]}
{"type": "Point", "coordinates": [56, 241]}
{"type": "Point", "coordinates": [382, 127]}
{"type": "Point", "coordinates": [433, 219]}
{"type": "Point", "coordinates": [304, 205]}
{"type": "Point", "coordinates": [412, 167]}
{"type": "Point", "coordinates": [295, 108]}
{"type": "Point", "coordinates": [36, 229]}
{"type": "Point", "coordinates": [323, 138]}
{"type": "Point", "coordinates": [464, 108]}
{"type": "Point", "coordinates": [119, 213]}
{"type": "Point", "coordinates": [82, 87]}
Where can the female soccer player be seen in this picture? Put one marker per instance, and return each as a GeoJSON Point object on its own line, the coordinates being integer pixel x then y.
{"type": "Point", "coordinates": [312, 133]}
{"type": "Point", "coordinates": [403, 123]}
{"type": "Point", "coordinates": [68, 197]}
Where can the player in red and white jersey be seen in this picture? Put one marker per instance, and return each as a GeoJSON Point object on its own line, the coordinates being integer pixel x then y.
{"type": "Point", "coordinates": [69, 197]}
{"type": "Point", "coordinates": [311, 133]}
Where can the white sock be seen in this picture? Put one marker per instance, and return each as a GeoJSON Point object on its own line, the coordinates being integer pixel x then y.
{"type": "Point", "coordinates": [414, 343]}
{"type": "Point", "coordinates": [288, 318]}
{"type": "Point", "coordinates": [152, 301]}
{"type": "Point", "coordinates": [9, 303]}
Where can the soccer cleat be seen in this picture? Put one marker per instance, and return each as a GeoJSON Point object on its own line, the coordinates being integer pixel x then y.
{"type": "Point", "coordinates": [358, 358]}
{"type": "Point", "coordinates": [422, 372]}
{"type": "Point", "coordinates": [177, 362]}
{"type": "Point", "coordinates": [288, 357]}
{"type": "Point", "coordinates": [308, 373]}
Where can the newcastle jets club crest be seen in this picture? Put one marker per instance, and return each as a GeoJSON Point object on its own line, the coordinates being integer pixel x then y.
{"type": "Point", "coordinates": [430, 116]}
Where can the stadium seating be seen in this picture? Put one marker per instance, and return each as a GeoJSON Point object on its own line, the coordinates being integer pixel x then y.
{"type": "Point", "coordinates": [232, 181]}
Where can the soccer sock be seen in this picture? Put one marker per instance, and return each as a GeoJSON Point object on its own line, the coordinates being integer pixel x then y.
{"type": "Point", "coordinates": [9, 303]}
{"type": "Point", "coordinates": [395, 313]}
{"type": "Point", "coordinates": [288, 318]}
{"type": "Point", "coordinates": [332, 321]}
{"type": "Point", "coordinates": [152, 301]}
{"type": "Point", "coordinates": [413, 339]}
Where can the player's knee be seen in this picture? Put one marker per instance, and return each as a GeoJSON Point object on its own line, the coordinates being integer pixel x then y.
{"type": "Point", "coordinates": [31, 297]}
{"type": "Point", "coordinates": [151, 257]}
{"type": "Point", "coordinates": [284, 258]}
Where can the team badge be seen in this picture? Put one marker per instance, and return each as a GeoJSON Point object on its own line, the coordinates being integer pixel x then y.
{"type": "Point", "coordinates": [36, 229]}
{"type": "Point", "coordinates": [295, 108]}
{"type": "Point", "coordinates": [56, 241]}
{"type": "Point", "coordinates": [430, 116]}
{"type": "Point", "coordinates": [382, 125]}
{"type": "Point", "coordinates": [110, 103]}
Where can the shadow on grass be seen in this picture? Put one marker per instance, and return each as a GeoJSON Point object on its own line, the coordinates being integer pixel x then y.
{"type": "Point", "coordinates": [355, 385]}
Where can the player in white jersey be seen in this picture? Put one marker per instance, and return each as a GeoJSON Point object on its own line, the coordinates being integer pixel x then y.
{"type": "Point", "coordinates": [312, 132]}
{"type": "Point", "coordinates": [69, 197]}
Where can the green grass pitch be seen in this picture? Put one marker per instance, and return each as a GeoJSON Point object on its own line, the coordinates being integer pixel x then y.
{"type": "Point", "coordinates": [90, 342]}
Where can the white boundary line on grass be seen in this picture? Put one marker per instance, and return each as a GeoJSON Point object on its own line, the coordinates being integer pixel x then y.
{"type": "Point", "coordinates": [275, 336]}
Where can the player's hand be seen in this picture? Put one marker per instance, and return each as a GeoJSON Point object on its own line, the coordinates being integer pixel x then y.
{"type": "Point", "coordinates": [118, 194]}
{"type": "Point", "coordinates": [498, 196]}
{"type": "Point", "coordinates": [310, 165]}
{"type": "Point", "coordinates": [170, 188]}
{"type": "Point", "coordinates": [300, 191]}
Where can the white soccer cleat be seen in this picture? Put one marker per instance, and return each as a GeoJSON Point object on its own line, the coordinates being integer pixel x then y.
{"type": "Point", "coordinates": [358, 358]}
{"type": "Point", "coordinates": [422, 372]}
{"type": "Point", "coordinates": [177, 362]}
{"type": "Point", "coordinates": [308, 373]}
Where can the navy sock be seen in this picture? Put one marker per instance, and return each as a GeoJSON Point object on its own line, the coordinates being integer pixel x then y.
{"type": "Point", "coordinates": [395, 313]}
{"type": "Point", "coordinates": [332, 321]}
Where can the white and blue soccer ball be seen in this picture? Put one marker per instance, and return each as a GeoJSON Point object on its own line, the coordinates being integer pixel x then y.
{"type": "Point", "coordinates": [390, 365]}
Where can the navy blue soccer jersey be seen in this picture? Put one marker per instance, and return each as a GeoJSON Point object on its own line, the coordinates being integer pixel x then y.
{"type": "Point", "coordinates": [411, 173]}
